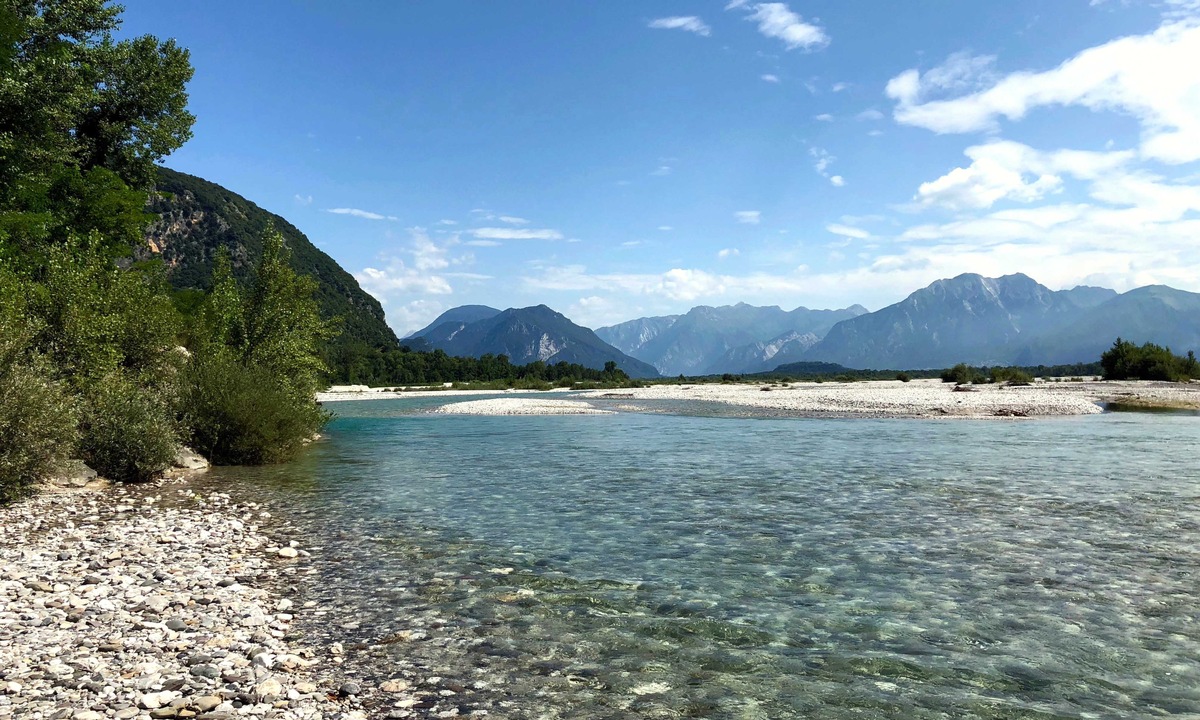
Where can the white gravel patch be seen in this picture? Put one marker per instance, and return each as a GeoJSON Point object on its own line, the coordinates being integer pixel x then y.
{"type": "Point", "coordinates": [879, 399]}
{"type": "Point", "coordinates": [521, 406]}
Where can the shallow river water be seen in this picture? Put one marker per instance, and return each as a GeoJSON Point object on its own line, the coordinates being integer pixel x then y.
{"type": "Point", "coordinates": [683, 565]}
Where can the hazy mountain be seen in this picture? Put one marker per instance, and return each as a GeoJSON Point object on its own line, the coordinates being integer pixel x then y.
{"type": "Point", "coordinates": [695, 342]}
{"type": "Point", "coordinates": [529, 334]}
{"type": "Point", "coordinates": [764, 356]}
{"type": "Point", "coordinates": [195, 218]}
{"type": "Point", "coordinates": [463, 314]}
{"type": "Point", "coordinates": [969, 318]}
{"type": "Point", "coordinates": [629, 337]}
{"type": "Point", "coordinates": [1008, 320]}
{"type": "Point", "coordinates": [1155, 313]}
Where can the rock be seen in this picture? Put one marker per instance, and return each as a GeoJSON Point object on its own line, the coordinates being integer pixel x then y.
{"type": "Point", "coordinates": [348, 689]}
{"type": "Point", "coordinates": [176, 625]}
{"type": "Point", "coordinates": [87, 715]}
{"type": "Point", "coordinates": [204, 703]}
{"type": "Point", "coordinates": [126, 713]}
{"type": "Point", "coordinates": [394, 686]}
{"type": "Point", "coordinates": [206, 671]}
{"type": "Point", "coordinates": [189, 459]}
{"type": "Point", "coordinates": [268, 690]}
{"type": "Point", "coordinates": [288, 552]}
{"type": "Point", "coordinates": [165, 712]}
{"type": "Point", "coordinates": [74, 475]}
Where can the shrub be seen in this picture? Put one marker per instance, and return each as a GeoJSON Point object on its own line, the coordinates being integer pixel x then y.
{"type": "Point", "coordinates": [903, 377]}
{"type": "Point", "coordinates": [37, 423]}
{"type": "Point", "coordinates": [129, 431]}
{"type": "Point", "coordinates": [961, 374]}
{"type": "Point", "coordinates": [243, 415]}
{"type": "Point", "coordinates": [1012, 376]}
{"type": "Point", "coordinates": [1126, 361]}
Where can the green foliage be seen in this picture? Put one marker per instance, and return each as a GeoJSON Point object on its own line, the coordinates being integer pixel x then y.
{"type": "Point", "coordinates": [129, 431]}
{"type": "Point", "coordinates": [37, 415]}
{"type": "Point", "coordinates": [250, 385]}
{"type": "Point", "coordinates": [903, 377]}
{"type": "Point", "coordinates": [1011, 376]}
{"type": "Point", "coordinates": [241, 414]}
{"type": "Point", "coordinates": [359, 365]}
{"type": "Point", "coordinates": [1126, 361]}
{"type": "Point", "coordinates": [962, 374]}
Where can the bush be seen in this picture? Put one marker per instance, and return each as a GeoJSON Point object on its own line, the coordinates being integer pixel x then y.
{"type": "Point", "coordinates": [961, 374]}
{"type": "Point", "coordinates": [1126, 361]}
{"type": "Point", "coordinates": [129, 432]}
{"type": "Point", "coordinates": [37, 424]}
{"type": "Point", "coordinates": [243, 415]}
{"type": "Point", "coordinates": [1012, 376]}
{"type": "Point", "coordinates": [903, 377]}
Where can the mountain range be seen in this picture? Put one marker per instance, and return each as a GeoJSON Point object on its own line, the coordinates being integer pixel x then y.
{"type": "Point", "coordinates": [525, 335]}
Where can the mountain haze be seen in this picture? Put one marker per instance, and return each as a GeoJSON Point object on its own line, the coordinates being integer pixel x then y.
{"type": "Point", "coordinates": [530, 334]}
{"type": "Point", "coordinates": [696, 342]}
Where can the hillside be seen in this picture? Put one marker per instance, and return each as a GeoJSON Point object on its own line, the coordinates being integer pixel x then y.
{"type": "Point", "coordinates": [196, 217]}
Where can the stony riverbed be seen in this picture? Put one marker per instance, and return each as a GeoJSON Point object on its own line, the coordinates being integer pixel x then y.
{"type": "Point", "coordinates": [154, 602]}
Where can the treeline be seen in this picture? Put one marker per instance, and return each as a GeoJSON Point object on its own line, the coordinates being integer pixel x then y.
{"type": "Point", "coordinates": [98, 362]}
{"type": "Point", "coordinates": [961, 373]}
{"type": "Point", "coordinates": [359, 365]}
{"type": "Point", "coordinates": [1126, 361]}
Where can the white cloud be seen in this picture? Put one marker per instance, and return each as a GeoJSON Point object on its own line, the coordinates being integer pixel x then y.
{"type": "Point", "coordinates": [1141, 75]}
{"type": "Point", "coordinates": [662, 170]}
{"type": "Point", "coordinates": [821, 159]}
{"type": "Point", "coordinates": [447, 222]}
{"type": "Point", "coordinates": [483, 243]}
{"type": "Point", "coordinates": [690, 23]}
{"type": "Point", "coordinates": [847, 231]}
{"type": "Point", "coordinates": [869, 114]}
{"type": "Point", "coordinates": [837, 181]}
{"type": "Point", "coordinates": [631, 243]}
{"type": "Point", "coordinates": [303, 199]}
{"type": "Point", "coordinates": [748, 217]}
{"type": "Point", "coordinates": [1007, 170]}
{"type": "Point", "coordinates": [770, 78]}
{"type": "Point", "coordinates": [665, 228]}
{"type": "Point", "coordinates": [364, 214]}
{"type": "Point", "coordinates": [728, 252]}
{"type": "Point", "coordinates": [513, 220]}
{"type": "Point", "coordinates": [492, 233]}
{"type": "Point", "coordinates": [776, 20]}
{"type": "Point", "coordinates": [839, 86]}
{"type": "Point", "coordinates": [823, 117]}
{"type": "Point", "coordinates": [419, 268]}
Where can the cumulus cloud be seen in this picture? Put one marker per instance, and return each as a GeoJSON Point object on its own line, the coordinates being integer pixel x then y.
{"type": "Point", "coordinates": [1139, 75]}
{"type": "Point", "coordinates": [727, 253]}
{"type": "Point", "coordinates": [837, 181]}
{"type": "Point", "coordinates": [776, 20]}
{"type": "Point", "coordinates": [364, 214]}
{"type": "Point", "coordinates": [416, 269]}
{"type": "Point", "coordinates": [1006, 170]}
{"type": "Point", "coordinates": [770, 78]}
{"type": "Point", "coordinates": [689, 23]}
{"type": "Point", "coordinates": [823, 117]}
{"type": "Point", "coordinates": [497, 233]}
{"type": "Point", "coordinates": [748, 217]}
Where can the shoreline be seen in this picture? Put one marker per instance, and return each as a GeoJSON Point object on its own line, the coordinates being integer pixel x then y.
{"type": "Point", "coordinates": [154, 602]}
{"type": "Point", "coordinates": [918, 399]}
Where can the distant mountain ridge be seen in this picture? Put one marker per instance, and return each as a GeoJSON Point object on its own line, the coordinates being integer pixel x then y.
{"type": "Point", "coordinates": [527, 335]}
{"type": "Point", "coordinates": [709, 339]}
{"type": "Point", "coordinates": [1008, 320]}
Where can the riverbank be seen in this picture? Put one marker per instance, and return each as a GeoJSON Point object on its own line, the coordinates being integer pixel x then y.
{"type": "Point", "coordinates": [155, 602]}
{"type": "Point", "coordinates": [916, 399]}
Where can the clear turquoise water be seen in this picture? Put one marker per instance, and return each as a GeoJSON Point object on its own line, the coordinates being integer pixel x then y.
{"type": "Point", "coordinates": [637, 565]}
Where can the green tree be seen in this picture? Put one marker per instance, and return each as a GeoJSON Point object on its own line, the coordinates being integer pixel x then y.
{"type": "Point", "coordinates": [83, 118]}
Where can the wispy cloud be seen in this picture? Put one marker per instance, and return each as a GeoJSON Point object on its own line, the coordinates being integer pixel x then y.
{"type": "Point", "coordinates": [483, 243]}
{"type": "Point", "coordinates": [847, 231]}
{"type": "Point", "coordinates": [497, 233]}
{"type": "Point", "coordinates": [823, 117]}
{"type": "Point", "coordinates": [661, 170]}
{"type": "Point", "coordinates": [364, 214]}
{"type": "Point", "coordinates": [770, 78]}
{"type": "Point", "coordinates": [511, 220]}
{"type": "Point", "coordinates": [728, 253]}
{"type": "Point", "coordinates": [776, 20]}
{"type": "Point", "coordinates": [303, 199]}
{"type": "Point", "coordinates": [869, 114]}
{"type": "Point", "coordinates": [689, 23]}
{"type": "Point", "coordinates": [748, 217]}
{"type": "Point", "coordinates": [665, 228]}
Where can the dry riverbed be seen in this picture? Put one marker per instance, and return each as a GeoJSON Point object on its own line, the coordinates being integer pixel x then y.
{"type": "Point", "coordinates": [154, 602]}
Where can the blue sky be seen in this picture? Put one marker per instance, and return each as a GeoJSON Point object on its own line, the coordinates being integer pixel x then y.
{"type": "Point", "coordinates": [621, 159]}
